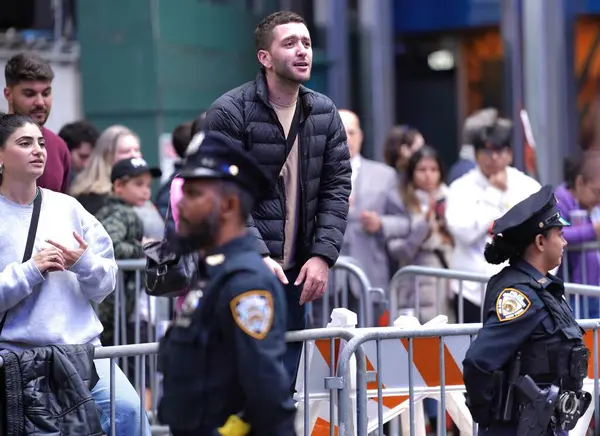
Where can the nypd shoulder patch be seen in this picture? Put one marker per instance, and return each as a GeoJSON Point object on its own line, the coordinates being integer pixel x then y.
{"type": "Point", "coordinates": [511, 304]}
{"type": "Point", "coordinates": [253, 312]}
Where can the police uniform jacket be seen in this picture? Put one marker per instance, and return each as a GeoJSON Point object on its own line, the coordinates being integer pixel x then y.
{"type": "Point", "coordinates": [223, 355]}
{"type": "Point", "coordinates": [525, 311]}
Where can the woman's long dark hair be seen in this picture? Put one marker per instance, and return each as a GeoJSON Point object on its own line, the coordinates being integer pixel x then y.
{"type": "Point", "coordinates": [407, 188]}
{"type": "Point", "coordinates": [9, 123]}
{"type": "Point", "coordinates": [511, 247]}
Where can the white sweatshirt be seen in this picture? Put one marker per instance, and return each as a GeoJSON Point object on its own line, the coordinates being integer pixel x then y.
{"type": "Point", "coordinates": [52, 308]}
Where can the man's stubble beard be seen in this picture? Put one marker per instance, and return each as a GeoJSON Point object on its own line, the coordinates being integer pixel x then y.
{"type": "Point", "coordinates": [18, 111]}
{"type": "Point", "coordinates": [202, 237]}
{"type": "Point", "coordinates": [285, 74]}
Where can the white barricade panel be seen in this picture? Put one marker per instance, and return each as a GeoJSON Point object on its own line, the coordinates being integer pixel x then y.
{"type": "Point", "coordinates": [319, 361]}
{"type": "Point", "coordinates": [425, 375]}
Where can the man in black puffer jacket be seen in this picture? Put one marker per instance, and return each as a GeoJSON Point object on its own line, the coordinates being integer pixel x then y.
{"type": "Point", "coordinates": [299, 224]}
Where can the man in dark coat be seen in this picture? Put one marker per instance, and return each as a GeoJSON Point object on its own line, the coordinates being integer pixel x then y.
{"type": "Point", "coordinates": [297, 136]}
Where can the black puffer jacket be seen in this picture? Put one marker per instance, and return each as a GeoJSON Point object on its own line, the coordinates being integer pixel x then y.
{"type": "Point", "coordinates": [246, 115]}
{"type": "Point", "coordinates": [48, 391]}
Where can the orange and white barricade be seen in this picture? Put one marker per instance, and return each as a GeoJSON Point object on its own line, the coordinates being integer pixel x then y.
{"type": "Point", "coordinates": [395, 368]}
{"type": "Point", "coordinates": [321, 365]}
{"type": "Point", "coordinates": [395, 386]}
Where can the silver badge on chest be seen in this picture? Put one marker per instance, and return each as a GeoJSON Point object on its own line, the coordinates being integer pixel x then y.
{"type": "Point", "coordinates": [189, 306]}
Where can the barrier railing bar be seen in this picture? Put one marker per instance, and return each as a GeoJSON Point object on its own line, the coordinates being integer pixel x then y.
{"type": "Point", "coordinates": [365, 316]}
{"type": "Point", "coordinates": [596, 393]}
{"type": "Point", "coordinates": [382, 333]}
{"type": "Point", "coordinates": [441, 273]}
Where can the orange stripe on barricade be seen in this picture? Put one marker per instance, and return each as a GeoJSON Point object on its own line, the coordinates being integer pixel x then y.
{"type": "Point", "coordinates": [426, 358]}
{"type": "Point", "coordinates": [384, 319]}
{"type": "Point", "coordinates": [588, 340]}
{"type": "Point", "coordinates": [391, 402]}
{"type": "Point", "coordinates": [324, 347]}
{"type": "Point", "coordinates": [322, 427]}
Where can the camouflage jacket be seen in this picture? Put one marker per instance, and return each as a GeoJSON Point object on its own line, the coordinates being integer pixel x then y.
{"type": "Point", "coordinates": [126, 230]}
{"type": "Point", "coordinates": [124, 227]}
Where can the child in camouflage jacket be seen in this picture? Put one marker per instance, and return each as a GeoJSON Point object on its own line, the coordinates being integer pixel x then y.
{"type": "Point", "coordinates": [131, 179]}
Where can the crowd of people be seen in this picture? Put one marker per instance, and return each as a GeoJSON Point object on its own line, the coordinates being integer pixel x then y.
{"type": "Point", "coordinates": [325, 199]}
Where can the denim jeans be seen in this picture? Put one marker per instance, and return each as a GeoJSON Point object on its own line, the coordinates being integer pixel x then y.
{"type": "Point", "coordinates": [127, 403]}
{"type": "Point", "coordinates": [297, 318]}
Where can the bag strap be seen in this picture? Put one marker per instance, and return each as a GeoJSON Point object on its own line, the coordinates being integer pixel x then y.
{"type": "Point", "coordinates": [168, 215]}
{"type": "Point", "coordinates": [35, 218]}
{"type": "Point", "coordinates": [292, 133]}
{"type": "Point", "coordinates": [291, 137]}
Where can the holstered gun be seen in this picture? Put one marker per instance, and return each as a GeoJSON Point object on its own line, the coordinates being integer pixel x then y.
{"type": "Point", "coordinates": [538, 410]}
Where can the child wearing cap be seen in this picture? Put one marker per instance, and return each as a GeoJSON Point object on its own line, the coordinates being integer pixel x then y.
{"type": "Point", "coordinates": [131, 180]}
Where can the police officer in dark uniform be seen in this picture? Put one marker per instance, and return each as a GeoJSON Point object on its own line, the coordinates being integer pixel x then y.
{"type": "Point", "coordinates": [524, 372]}
{"type": "Point", "coordinates": [221, 359]}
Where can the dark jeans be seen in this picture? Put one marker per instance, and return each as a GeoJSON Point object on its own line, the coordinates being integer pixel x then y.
{"type": "Point", "coordinates": [297, 317]}
{"type": "Point", "coordinates": [471, 312]}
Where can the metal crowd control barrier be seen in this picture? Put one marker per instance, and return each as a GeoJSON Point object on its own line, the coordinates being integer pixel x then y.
{"type": "Point", "coordinates": [326, 334]}
{"type": "Point", "coordinates": [331, 334]}
{"type": "Point", "coordinates": [146, 325]}
{"type": "Point", "coordinates": [581, 305]}
{"type": "Point", "coordinates": [149, 386]}
{"type": "Point", "coordinates": [452, 342]}
{"type": "Point", "coordinates": [427, 364]}
{"type": "Point", "coordinates": [366, 297]}
{"type": "Point", "coordinates": [440, 273]}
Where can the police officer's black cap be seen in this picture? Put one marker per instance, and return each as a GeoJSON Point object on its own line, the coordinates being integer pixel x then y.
{"type": "Point", "coordinates": [219, 157]}
{"type": "Point", "coordinates": [132, 167]}
{"type": "Point", "coordinates": [531, 216]}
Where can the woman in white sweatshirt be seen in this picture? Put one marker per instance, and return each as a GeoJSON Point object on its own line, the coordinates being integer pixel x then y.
{"type": "Point", "coordinates": [46, 300]}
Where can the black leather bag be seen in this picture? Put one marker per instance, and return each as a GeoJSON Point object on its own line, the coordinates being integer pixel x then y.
{"type": "Point", "coordinates": [167, 273]}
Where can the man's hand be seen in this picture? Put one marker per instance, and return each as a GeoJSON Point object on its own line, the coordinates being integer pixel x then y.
{"type": "Point", "coordinates": [276, 269]}
{"type": "Point", "coordinates": [314, 274]}
{"type": "Point", "coordinates": [370, 221]}
{"type": "Point", "coordinates": [71, 256]}
{"type": "Point", "coordinates": [499, 180]}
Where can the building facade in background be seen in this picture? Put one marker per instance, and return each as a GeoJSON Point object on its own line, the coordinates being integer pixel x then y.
{"type": "Point", "coordinates": [151, 64]}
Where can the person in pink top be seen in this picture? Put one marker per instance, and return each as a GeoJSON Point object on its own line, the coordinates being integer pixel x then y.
{"type": "Point", "coordinates": [175, 196]}
{"type": "Point", "coordinates": [176, 193]}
